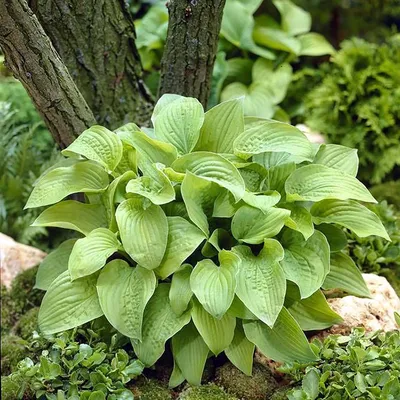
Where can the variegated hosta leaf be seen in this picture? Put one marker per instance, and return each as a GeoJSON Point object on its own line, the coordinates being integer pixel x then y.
{"type": "Point", "coordinates": [84, 176]}
{"type": "Point", "coordinates": [54, 265]}
{"type": "Point", "coordinates": [199, 195]}
{"type": "Point", "coordinates": [350, 214]}
{"type": "Point", "coordinates": [154, 185]}
{"type": "Point", "coordinates": [159, 324]}
{"type": "Point", "coordinates": [261, 282]}
{"type": "Point", "coordinates": [98, 144]}
{"type": "Point", "coordinates": [74, 215]}
{"type": "Point", "coordinates": [152, 149]}
{"type": "Point", "coordinates": [285, 342]}
{"type": "Point", "coordinates": [217, 333]}
{"type": "Point", "coordinates": [90, 253]}
{"type": "Point", "coordinates": [190, 353]}
{"type": "Point", "coordinates": [345, 275]}
{"type": "Point", "coordinates": [300, 219]}
{"type": "Point", "coordinates": [123, 294]}
{"type": "Point", "coordinates": [306, 263]}
{"type": "Point", "coordinates": [180, 292]}
{"type": "Point", "coordinates": [68, 304]}
{"type": "Point", "coordinates": [215, 286]}
{"type": "Point", "coordinates": [273, 136]}
{"type": "Point", "coordinates": [143, 231]}
{"type": "Point", "coordinates": [214, 168]}
{"type": "Point", "coordinates": [179, 123]}
{"type": "Point", "coordinates": [252, 225]}
{"type": "Point", "coordinates": [222, 124]}
{"type": "Point", "coordinates": [338, 157]}
{"type": "Point", "coordinates": [317, 182]}
{"type": "Point", "coordinates": [183, 239]}
{"type": "Point", "coordinates": [240, 352]}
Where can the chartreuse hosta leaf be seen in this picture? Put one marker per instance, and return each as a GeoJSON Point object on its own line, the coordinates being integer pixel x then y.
{"type": "Point", "coordinates": [252, 225]}
{"type": "Point", "coordinates": [339, 157]}
{"type": "Point", "coordinates": [159, 324]}
{"type": "Point", "coordinates": [143, 231]}
{"type": "Point", "coordinates": [214, 286]}
{"type": "Point", "coordinates": [98, 144]}
{"type": "Point", "coordinates": [217, 333]}
{"type": "Point", "coordinates": [345, 275]}
{"type": "Point", "coordinates": [54, 265]}
{"type": "Point", "coordinates": [180, 292]}
{"type": "Point", "coordinates": [214, 168]}
{"type": "Point", "coordinates": [190, 354]}
{"type": "Point", "coordinates": [74, 215]}
{"type": "Point", "coordinates": [318, 182]}
{"type": "Point", "coordinates": [183, 239]}
{"type": "Point", "coordinates": [240, 352]}
{"type": "Point", "coordinates": [350, 214]}
{"type": "Point", "coordinates": [222, 125]}
{"type": "Point", "coordinates": [273, 136]}
{"type": "Point", "coordinates": [300, 219]}
{"type": "Point", "coordinates": [262, 201]}
{"type": "Point", "coordinates": [239, 310]}
{"type": "Point", "coordinates": [261, 282]}
{"type": "Point", "coordinates": [306, 262]}
{"type": "Point", "coordinates": [179, 123]}
{"type": "Point", "coordinates": [284, 342]}
{"type": "Point", "coordinates": [294, 19]}
{"type": "Point", "coordinates": [123, 294]}
{"type": "Point", "coordinates": [82, 176]}
{"type": "Point", "coordinates": [68, 304]}
{"type": "Point", "coordinates": [314, 44]}
{"type": "Point", "coordinates": [90, 253]}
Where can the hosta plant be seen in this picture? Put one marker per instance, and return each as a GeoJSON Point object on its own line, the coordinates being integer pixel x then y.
{"type": "Point", "coordinates": [212, 230]}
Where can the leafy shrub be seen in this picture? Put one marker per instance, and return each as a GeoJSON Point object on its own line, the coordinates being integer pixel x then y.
{"type": "Point", "coordinates": [211, 230]}
{"type": "Point", "coordinates": [358, 105]}
{"type": "Point", "coordinates": [69, 368]}
{"type": "Point", "coordinates": [359, 366]}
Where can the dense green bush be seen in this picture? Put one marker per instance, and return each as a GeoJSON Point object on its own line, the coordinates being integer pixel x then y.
{"type": "Point", "coordinates": [358, 105]}
{"type": "Point", "coordinates": [216, 234]}
{"type": "Point", "coordinates": [359, 366]}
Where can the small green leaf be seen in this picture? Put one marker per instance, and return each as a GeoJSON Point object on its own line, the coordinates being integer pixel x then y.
{"type": "Point", "coordinates": [179, 123]}
{"type": "Point", "coordinates": [300, 219]}
{"type": "Point", "coordinates": [181, 293]}
{"type": "Point", "coordinates": [251, 225]}
{"type": "Point", "coordinates": [217, 333]}
{"type": "Point", "coordinates": [285, 342]}
{"type": "Point", "coordinates": [183, 239]}
{"type": "Point", "coordinates": [310, 383]}
{"type": "Point", "coordinates": [54, 265]}
{"type": "Point", "coordinates": [159, 324]}
{"type": "Point", "coordinates": [317, 182]}
{"type": "Point", "coordinates": [123, 294]}
{"type": "Point", "coordinates": [144, 232]}
{"type": "Point", "coordinates": [68, 304]}
{"type": "Point", "coordinates": [262, 201]}
{"type": "Point", "coordinates": [83, 176]}
{"type": "Point", "coordinates": [350, 214]}
{"type": "Point", "coordinates": [97, 144]}
{"type": "Point", "coordinates": [90, 253]}
{"type": "Point", "coordinates": [397, 318]}
{"type": "Point", "coordinates": [74, 215]}
{"type": "Point", "coordinates": [215, 286]}
{"type": "Point", "coordinates": [214, 168]}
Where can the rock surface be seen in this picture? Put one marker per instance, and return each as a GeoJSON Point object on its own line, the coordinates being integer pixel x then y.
{"type": "Point", "coordinates": [16, 257]}
{"type": "Point", "coordinates": [371, 314]}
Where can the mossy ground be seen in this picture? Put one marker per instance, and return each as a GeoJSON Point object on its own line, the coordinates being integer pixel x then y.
{"type": "Point", "coordinates": [206, 392]}
{"type": "Point", "coordinates": [13, 350]}
{"type": "Point", "coordinates": [150, 389]}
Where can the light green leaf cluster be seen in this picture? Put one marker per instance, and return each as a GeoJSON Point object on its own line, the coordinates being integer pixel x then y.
{"type": "Point", "coordinates": [216, 237]}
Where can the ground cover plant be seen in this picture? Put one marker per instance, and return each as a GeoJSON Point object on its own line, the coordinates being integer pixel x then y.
{"type": "Point", "coordinates": [211, 230]}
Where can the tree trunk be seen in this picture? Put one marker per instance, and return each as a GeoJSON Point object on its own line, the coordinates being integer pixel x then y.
{"type": "Point", "coordinates": [34, 61]}
{"type": "Point", "coordinates": [96, 41]}
{"type": "Point", "coordinates": [191, 47]}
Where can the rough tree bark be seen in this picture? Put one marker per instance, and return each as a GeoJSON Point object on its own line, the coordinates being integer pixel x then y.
{"type": "Point", "coordinates": [96, 41]}
{"type": "Point", "coordinates": [34, 61]}
{"type": "Point", "coordinates": [191, 47]}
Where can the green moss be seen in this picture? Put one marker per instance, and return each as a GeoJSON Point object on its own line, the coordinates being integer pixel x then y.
{"type": "Point", "coordinates": [13, 350]}
{"type": "Point", "coordinates": [7, 314]}
{"type": "Point", "coordinates": [260, 385]}
{"type": "Point", "coordinates": [9, 388]}
{"type": "Point", "coordinates": [150, 389]}
{"type": "Point", "coordinates": [22, 293]}
{"type": "Point", "coordinates": [27, 323]}
{"type": "Point", "coordinates": [281, 394]}
{"type": "Point", "coordinates": [205, 392]}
